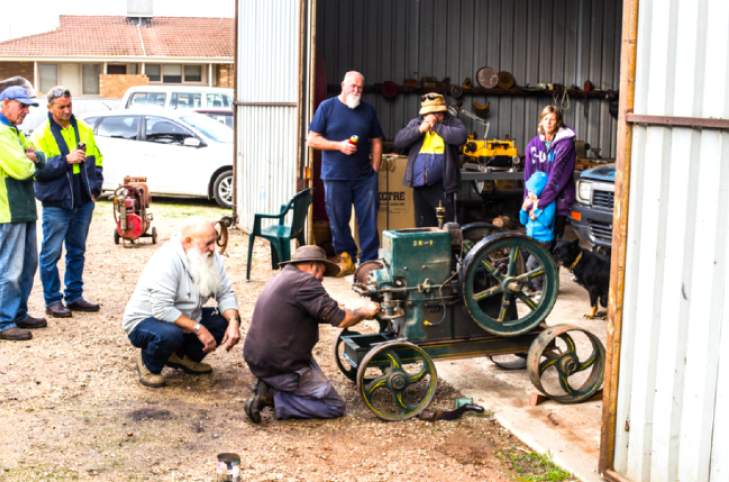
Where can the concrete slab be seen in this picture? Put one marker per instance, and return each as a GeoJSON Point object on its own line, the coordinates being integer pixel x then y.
{"type": "Point", "coordinates": [570, 432]}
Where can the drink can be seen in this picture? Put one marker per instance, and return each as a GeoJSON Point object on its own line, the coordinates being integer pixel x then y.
{"type": "Point", "coordinates": [353, 140]}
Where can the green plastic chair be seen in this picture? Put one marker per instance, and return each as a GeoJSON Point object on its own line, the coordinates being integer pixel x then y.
{"type": "Point", "coordinates": [278, 235]}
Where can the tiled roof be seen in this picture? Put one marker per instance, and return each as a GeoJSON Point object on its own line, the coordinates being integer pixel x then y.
{"type": "Point", "coordinates": [120, 36]}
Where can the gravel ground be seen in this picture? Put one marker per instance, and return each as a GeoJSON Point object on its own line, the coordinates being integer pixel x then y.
{"type": "Point", "coordinates": [72, 408]}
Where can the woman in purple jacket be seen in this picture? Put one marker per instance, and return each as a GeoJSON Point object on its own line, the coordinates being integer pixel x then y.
{"type": "Point", "coordinates": [553, 152]}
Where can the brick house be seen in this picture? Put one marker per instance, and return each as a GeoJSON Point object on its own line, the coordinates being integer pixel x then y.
{"type": "Point", "coordinates": [102, 56]}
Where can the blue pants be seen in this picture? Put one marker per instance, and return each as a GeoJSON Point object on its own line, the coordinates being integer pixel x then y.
{"type": "Point", "coordinates": [69, 226]}
{"type": "Point", "coordinates": [18, 262]}
{"type": "Point", "coordinates": [339, 196]}
{"type": "Point", "coordinates": [305, 393]}
{"type": "Point", "coordinates": [160, 339]}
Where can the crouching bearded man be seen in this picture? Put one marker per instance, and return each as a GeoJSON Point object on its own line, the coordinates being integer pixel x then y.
{"type": "Point", "coordinates": [165, 317]}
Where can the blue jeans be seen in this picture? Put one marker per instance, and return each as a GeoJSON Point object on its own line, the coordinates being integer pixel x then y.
{"type": "Point", "coordinates": [18, 262]}
{"type": "Point", "coordinates": [160, 339]}
{"type": "Point", "coordinates": [305, 393]}
{"type": "Point", "coordinates": [339, 196]}
{"type": "Point", "coordinates": [69, 226]}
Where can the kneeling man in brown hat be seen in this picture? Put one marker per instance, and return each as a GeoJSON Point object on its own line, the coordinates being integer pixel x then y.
{"type": "Point", "coordinates": [283, 332]}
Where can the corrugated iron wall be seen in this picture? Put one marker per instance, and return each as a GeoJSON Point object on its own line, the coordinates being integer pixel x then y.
{"type": "Point", "coordinates": [673, 391]}
{"type": "Point", "coordinates": [538, 41]}
{"type": "Point", "coordinates": [267, 83]}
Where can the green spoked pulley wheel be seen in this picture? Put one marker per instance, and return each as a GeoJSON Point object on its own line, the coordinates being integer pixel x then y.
{"type": "Point", "coordinates": [397, 380]}
{"type": "Point", "coordinates": [495, 279]}
{"type": "Point", "coordinates": [566, 363]}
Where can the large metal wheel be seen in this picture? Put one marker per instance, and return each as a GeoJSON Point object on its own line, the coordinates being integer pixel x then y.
{"type": "Point", "coordinates": [397, 380]}
{"type": "Point", "coordinates": [563, 370]}
{"type": "Point", "coordinates": [473, 233]}
{"type": "Point", "coordinates": [493, 280]}
{"type": "Point", "coordinates": [347, 370]}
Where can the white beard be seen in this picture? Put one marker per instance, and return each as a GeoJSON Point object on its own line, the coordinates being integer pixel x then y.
{"type": "Point", "coordinates": [353, 100]}
{"type": "Point", "coordinates": [204, 272]}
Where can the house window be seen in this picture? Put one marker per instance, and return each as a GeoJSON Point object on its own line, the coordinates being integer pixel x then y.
{"type": "Point", "coordinates": [116, 69]}
{"type": "Point", "coordinates": [172, 74]}
{"type": "Point", "coordinates": [90, 79]}
{"type": "Point", "coordinates": [132, 69]}
{"type": "Point", "coordinates": [48, 74]}
{"type": "Point", "coordinates": [154, 72]}
{"type": "Point", "coordinates": [193, 73]}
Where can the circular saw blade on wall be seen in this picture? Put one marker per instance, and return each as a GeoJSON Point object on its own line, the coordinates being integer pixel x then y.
{"type": "Point", "coordinates": [487, 78]}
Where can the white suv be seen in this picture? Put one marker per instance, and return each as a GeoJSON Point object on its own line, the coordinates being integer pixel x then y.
{"type": "Point", "coordinates": [177, 97]}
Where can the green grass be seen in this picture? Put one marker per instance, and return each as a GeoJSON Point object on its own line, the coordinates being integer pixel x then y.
{"type": "Point", "coordinates": [173, 208]}
{"type": "Point", "coordinates": [534, 467]}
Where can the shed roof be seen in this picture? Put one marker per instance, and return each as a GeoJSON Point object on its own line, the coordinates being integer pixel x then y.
{"type": "Point", "coordinates": [122, 36]}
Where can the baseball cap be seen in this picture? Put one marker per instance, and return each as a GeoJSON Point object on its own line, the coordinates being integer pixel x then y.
{"type": "Point", "coordinates": [18, 93]}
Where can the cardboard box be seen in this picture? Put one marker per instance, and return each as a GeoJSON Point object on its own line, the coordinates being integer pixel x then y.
{"type": "Point", "coordinates": [396, 200]}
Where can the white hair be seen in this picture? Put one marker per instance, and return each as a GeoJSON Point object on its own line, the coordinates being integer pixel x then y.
{"type": "Point", "coordinates": [352, 73]}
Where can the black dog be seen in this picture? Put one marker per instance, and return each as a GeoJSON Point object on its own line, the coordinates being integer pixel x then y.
{"type": "Point", "coordinates": [589, 269]}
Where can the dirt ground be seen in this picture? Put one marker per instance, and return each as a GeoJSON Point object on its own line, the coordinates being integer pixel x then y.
{"type": "Point", "coordinates": [72, 409]}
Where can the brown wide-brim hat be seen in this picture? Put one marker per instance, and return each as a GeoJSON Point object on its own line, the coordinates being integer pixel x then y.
{"type": "Point", "coordinates": [431, 103]}
{"type": "Point", "coordinates": [306, 254]}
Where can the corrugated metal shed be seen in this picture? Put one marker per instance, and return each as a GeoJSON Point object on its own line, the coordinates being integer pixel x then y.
{"type": "Point", "coordinates": [673, 383]}
{"type": "Point", "coordinates": [267, 89]}
{"type": "Point", "coordinates": [547, 41]}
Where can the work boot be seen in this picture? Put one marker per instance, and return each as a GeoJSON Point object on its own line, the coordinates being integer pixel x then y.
{"type": "Point", "coordinates": [31, 322]}
{"type": "Point", "coordinates": [262, 396]}
{"type": "Point", "coordinates": [57, 310]}
{"type": "Point", "coordinates": [188, 366]}
{"type": "Point", "coordinates": [16, 334]}
{"type": "Point", "coordinates": [147, 378]}
{"type": "Point", "coordinates": [83, 305]}
{"type": "Point", "coordinates": [347, 265]}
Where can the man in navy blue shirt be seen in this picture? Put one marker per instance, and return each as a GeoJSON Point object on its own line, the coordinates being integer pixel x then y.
{"type": "Point", "coordinates": [349, 175]}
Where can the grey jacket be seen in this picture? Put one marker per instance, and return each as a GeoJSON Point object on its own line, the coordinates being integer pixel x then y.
{"type": "Point", "coordinates": [165, 289]}
{"type": "Point", "coordinates": [454, 135]}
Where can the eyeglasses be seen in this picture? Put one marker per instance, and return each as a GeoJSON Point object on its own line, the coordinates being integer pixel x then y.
{"type": "Point", "coordinates": [430, 97]}
{"type": "Point", "coordinates": [59, 93]}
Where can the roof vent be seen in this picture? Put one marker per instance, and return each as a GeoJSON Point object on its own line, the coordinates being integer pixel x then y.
{"type": "Point", "coordinates": [139, 8]}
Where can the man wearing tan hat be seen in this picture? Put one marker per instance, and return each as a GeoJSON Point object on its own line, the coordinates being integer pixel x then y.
{"type": "Point", "coordinates": [285, 328]}
{"type": "Point", "coordinates": [433, 169]}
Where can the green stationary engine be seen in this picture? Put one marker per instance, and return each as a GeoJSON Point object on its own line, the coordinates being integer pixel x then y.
{"type": "Point", "coordinates": [457, 292]}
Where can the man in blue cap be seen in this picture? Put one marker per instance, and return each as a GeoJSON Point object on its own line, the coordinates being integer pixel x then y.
{"type": "Point", "coordinates": [19, 162]}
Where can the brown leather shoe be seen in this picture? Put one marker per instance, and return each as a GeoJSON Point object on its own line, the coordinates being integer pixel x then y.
{"type": "Point", "coordinates": [31, 322]}
{"type": "Point", "coordinates": [16, 334]}
{"type": "Point", "coordinates": [83, 305]}
{"type": "Point", "coordinates": [57, 310]}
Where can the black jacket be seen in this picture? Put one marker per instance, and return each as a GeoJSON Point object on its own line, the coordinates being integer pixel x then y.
{"type": "Point", "coordinates": [454, 135]}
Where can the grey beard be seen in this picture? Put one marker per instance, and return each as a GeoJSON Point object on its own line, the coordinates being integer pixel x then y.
{"type": "Point", "coordinates": [353, 100]}
{"type": "Point", "coordinates": [204, 273]}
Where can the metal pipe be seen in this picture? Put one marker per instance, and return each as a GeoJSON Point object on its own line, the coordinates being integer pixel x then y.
{"type": "Point", "coordinates": [620, 235]}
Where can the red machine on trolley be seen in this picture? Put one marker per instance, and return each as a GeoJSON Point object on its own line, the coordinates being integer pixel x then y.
{"type": "Point", "coordinates": [131, 201]}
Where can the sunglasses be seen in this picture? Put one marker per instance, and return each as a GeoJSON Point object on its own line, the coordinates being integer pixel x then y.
{"type": "Point", "coordinates": [430, 97]}
{"type": "Point", "coordinates": [59, 93]}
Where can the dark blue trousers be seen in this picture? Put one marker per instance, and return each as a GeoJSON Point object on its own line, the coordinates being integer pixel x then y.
{"type": "Point", "coordinates": [339, 197]}
{"type": "Point", "coordinates": [160, 339]}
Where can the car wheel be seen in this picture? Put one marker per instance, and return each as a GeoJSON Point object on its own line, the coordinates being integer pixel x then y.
{"type": "Point", "coordinates": [223, 189]}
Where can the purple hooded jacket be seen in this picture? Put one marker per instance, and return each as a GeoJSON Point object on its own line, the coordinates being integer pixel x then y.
{"type": "Point", "coordinates": [561, 184]}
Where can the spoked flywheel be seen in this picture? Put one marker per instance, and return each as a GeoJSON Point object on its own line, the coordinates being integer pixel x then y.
{"type": "Point", "coordinates": [567, 369]}
{"type": "Point", "coordinates": [495, 279]}
{"type": "Point", "coordinates": [397, 380]}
